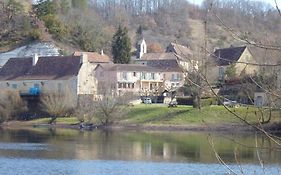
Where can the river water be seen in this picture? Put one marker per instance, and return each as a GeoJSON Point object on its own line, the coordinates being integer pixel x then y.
{"type": "Point", "coordinates": [71, 152]}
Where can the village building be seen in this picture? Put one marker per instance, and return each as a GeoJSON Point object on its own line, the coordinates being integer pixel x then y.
{"type": "Point", "coordinates": [174, 64]}
{"type": "Point", "coordinates": [135, 78]}
{"type": "Point", "coordinates": [240, 58]}
{"type": "Point", "coordinates": [49, 75]}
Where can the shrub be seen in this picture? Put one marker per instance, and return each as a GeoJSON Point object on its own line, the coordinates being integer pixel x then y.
{"type": "Point", "coordinates": [185, 100]}
{"type": "Point", "coordinates": [209, 101]}
{"type": "Point", "coordinates": [11, 105]}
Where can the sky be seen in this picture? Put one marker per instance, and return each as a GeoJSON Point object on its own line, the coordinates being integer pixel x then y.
{"type": "Point", "coordinates": [268, 1]}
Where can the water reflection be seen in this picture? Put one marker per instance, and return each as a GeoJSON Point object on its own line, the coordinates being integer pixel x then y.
{"type": "Point", "coordinates": [137, 146]}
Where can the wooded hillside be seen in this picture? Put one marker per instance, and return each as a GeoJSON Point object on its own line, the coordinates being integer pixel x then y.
{"type": "Point", "coordinates": [90, 24]}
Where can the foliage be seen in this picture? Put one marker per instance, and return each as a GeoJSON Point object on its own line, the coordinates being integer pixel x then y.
{"type": "Point", "coordinates": [11, 105]}
{"type": "Point", "coordinates": [35, 34]}
{"type": "Point", "coordinates": [193, 87]}
{"type": "Point", "coordinates": [231, 71]}
{"type": "Point", "coordinates": [44, 8]}
{"type": "Point", "coordinates": [154, 48]}
{"type": "Point", "coordinates": [121, 46]}
{"type": "Point", "coordinates": [55, 26]}
{"type": "Point", "coordinates": [80, 4]}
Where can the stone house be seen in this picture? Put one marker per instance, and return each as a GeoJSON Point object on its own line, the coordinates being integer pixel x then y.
{"type": "Point", "coordinates": [174, 64]}
{"type": "Point", "coordinates": [55, 74]}
{"type": "Point", "coordinates": [174, 51]}
{"type": "Point", "coordinates": [135, 78]}
{"type": "Point", "coordinates": [239, 57]}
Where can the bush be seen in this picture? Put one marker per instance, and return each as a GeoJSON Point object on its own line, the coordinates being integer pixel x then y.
{"type": "Point", "coordinates": [35, 34]}
{"type": "Point", "coordinates": [185, 100]}
{"type": "Point", "coordinates": [11, 105]}
{"type": "Point", "coordinates": [204, 101]}
{"type": "Point", "coordinates": [55, 26]}
{"type": "Point", "coordinates": [209, 101]}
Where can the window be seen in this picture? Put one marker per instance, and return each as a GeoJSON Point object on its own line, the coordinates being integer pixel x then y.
{"type": "Point", "coordinates": [151, 86]}
{"type": "Point", "coordinates": [153, 76]}
{"type": "Point", "coordinates": [14, 86]}
{"type": "Point", "coordinates": [119, 85]}
{"type": "Point", "coordinates": [133, 85]}
{"type": "Point", "coordinates": [178, 77]}
{"type": "Point", "coordinates": [221, 73]}
{"type": "Point", "coordinates": [124, 85]}
{"type": "Point", "coordinates": [124, 75]}
{"type": "Point", "coordinates": [144, 76]}
{"type": "Point", "coordinates": [134, 74]}
{"type": "Point", "coordinates": [129, 85]}
{"type": "Point", "coordinates": [173, 77]}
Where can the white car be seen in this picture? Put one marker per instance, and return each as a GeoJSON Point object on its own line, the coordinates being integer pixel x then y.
{"type": "Point", "coordinates": [147, 101]}
{"type": "Point", "coordinates": [230, 103]}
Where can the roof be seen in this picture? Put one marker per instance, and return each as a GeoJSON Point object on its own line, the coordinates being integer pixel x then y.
{"type": "Point", "coordinates": [165, 65]}
{"type": "Point", "coordinates": [179, 49]}
{"type": "Point", "coordinates": [128, 67]}
{"type": "Point", "coordinates": [46, 68]}
{"type": "Point", "coordinates": [159, 56]}
{"type": "Point", "coordinates": [229, 55]}
{"type": "Point", "coordinates": [95, 57]}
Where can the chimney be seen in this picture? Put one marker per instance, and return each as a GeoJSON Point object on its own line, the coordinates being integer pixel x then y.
{"type": "Point", "coordinates": [101, 52]}
{"type": "Point", "coordinates": [34, 59]}
{"type": "Point", "coordinates": [84, 58]}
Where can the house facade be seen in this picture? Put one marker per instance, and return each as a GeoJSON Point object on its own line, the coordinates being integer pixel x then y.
{"type": "Point", "coordinates": [174, 64]}
{"type": "Point", "coordinates": [174, 51]}
{"type": "Point", "coordinates": [68, 75]}
{"type": "Point", "coordinates": [239, 58]}
{"type": "Point", "coordinates": [135, 78]}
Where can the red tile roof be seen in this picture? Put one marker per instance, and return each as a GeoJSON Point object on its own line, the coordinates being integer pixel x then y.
{"type": "Point", "coordinates": [95, 57]}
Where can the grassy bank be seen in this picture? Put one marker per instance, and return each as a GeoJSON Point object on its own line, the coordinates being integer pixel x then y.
{"type": "Point", "coordinates": [181, 115]}
{"type": "Point", "coordinates": [186, 115]}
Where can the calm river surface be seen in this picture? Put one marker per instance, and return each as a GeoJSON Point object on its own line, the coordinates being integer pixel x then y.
{"type": "Point", "coordinates": [71, 152]}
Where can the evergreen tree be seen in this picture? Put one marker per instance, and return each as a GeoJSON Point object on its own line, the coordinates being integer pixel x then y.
{"type": "Point", "coordinates": [44, 8]}
{"type": "Point", "coordinates": [121, 46]}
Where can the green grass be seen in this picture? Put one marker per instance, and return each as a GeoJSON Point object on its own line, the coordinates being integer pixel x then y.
{"type": "Point", "coordinates": [181, 115]}
{"type": "Point", "coordinates": [186, 115]}
{"type": "Point", "coordinates": [63, 120]}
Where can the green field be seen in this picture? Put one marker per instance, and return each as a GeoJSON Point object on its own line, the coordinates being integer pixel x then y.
{"type": "Point", "coordinates": [183, 115]}
{"type": "Point", "coordinates": [186, 115]}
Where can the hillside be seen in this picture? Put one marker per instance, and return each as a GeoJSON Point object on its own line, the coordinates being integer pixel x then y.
{"type": "Point", "coordinates": [90, 25]}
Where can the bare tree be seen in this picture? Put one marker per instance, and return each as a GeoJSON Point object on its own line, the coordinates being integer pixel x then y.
{"type": "Point", "coordinates": [112, 105]}
{"type": "Point", "coordinates": [58, 104]}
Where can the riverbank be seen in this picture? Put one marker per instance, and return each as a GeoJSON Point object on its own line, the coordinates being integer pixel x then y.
{"type": "Point", "coordinates": [160, 117]}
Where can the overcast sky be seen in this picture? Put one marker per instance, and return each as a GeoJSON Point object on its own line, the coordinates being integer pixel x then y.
{"type": "Point", "coordinates": [268, 1]}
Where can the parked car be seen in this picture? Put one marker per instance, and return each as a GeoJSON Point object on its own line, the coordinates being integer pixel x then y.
{"type": "Point", "coordinates": [230, 103]}
{"type": "Point", "coordinates": [147, 101]}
